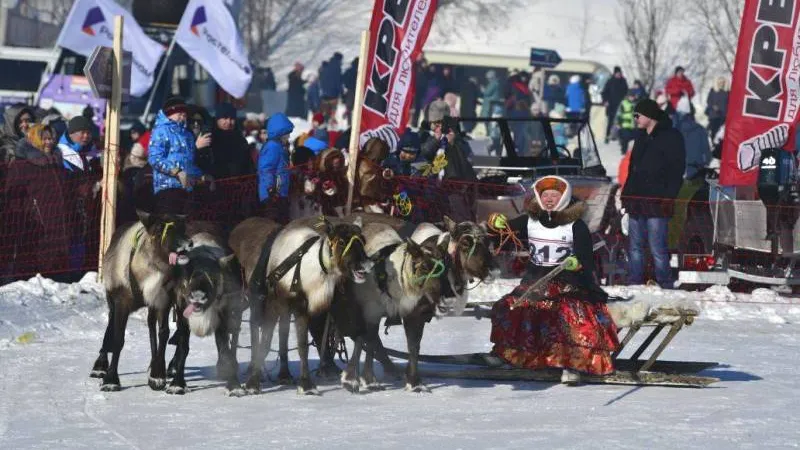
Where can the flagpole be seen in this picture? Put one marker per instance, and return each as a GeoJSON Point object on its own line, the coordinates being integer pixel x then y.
{"type": "Point", "coordinates": [355, 126]}
{"type": "Point", "coordinates": [160, 75]}
{"type": "Point", "coordinates": [48, 72]}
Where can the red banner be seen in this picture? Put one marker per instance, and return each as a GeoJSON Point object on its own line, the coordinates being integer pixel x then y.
{"type": "Point", "coordinates": [398, 31]}
{"type": "Point", "coordinates": [764, 103]}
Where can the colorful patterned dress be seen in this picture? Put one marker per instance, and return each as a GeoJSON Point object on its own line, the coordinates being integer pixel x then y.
{"type": "Point", "coordinates": [568, 327]}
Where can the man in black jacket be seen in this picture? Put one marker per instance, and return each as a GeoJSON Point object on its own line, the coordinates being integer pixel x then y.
{"type": "Point", "coordinates": [230, 150]}
{"type": "Point", "coordinates": [613, 93]}
{"type": "Point", "coordinates": [655, 176]}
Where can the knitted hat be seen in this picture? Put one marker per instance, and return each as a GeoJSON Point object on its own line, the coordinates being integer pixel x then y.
{"type": "Point", "coordinates": [79, 123]}
{"type": "Point", "coordinates": [649, 108]}
{"type": "Point", "coordinates": [617, 69]}
{"type": "Point", "coordinates": [319, 118]}
{"type": "Point", "coordinates": [438, 110]}
{"type": "Point", "coordinates": [226, 111]}
{"type": "Point", "coordinates": [138, 127]}
{"type": "Point", "coordinates": [174, 105]}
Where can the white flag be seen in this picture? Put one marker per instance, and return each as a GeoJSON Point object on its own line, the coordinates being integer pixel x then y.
{"type": "Point", "coordinates": [208, 33]}
{"type": "Point", "coordinates": [90, 23]}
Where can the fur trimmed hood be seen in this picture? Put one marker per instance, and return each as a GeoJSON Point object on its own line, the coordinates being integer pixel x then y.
{"type": "Point", "coordinates": [572, 212]}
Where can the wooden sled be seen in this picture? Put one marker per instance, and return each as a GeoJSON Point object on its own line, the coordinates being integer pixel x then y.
{"type": "Point", "coordinates": [630, 371]}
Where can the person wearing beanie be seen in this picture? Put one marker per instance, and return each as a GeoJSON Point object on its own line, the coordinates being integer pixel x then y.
{"type": "Point", "coordinates": [229, 149]}
{"type": "Point", "coordinates": [655, 176]}
{"type": "Point", "coordinates": [404, 161]}
{"type": "Point", "coordinates": [77, 149]}
{"type": "Point", "coordinates": [172, 157]}
{"type": "Point", "coordinates": [552, 230]}
{"type": "Point", "coordinates": [613, 92]}
{"type": "Point", "coordinates": [678, 86]}
{"type": "Point", "coordinates": [273, 169]}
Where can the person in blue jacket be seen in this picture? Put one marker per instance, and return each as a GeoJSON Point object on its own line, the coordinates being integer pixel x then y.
{"type": "Point", "coordinates": [576, 98]}
{"type": "Point", "coordinates": [171, 155]}
{"type": "Point", "coordinates": [273, 169]}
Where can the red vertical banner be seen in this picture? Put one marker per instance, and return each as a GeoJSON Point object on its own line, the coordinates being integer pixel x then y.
{"type": "Point", "coordinates": [398, 31]}
{"type": "Point", "coordinates": [764, 103]}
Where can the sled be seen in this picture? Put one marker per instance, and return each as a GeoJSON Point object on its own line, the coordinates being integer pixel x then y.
{"type": "Point", "coordinates": [630, 371]}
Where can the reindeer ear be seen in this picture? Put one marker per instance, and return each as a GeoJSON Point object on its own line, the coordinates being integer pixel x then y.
{"type": "Point", "coordinates": [144, 217]}
{"type": "Point", "coordinates": [449, 224]}
{"type": "Point", "coordinates": [359, 222]}
{"type": "Point", "coordinates": [324, 226]}
{"type": "Point", "coordinates": [413, 248]}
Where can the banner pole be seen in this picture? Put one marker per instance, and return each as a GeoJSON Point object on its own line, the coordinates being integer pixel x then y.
{"type": "Point", "coordinates": [355, 126]}
{"type": "Point", "coordinates": [160, 75]}
{"type": "Point", "coordinates": [108, 201]}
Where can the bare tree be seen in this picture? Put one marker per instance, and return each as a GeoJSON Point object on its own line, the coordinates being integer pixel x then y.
{"type": "Point", "coordinates": [721, 20]}
{"type": "Point", "coordinates": [267, 25]}
{"type": "Point", "coordinates": [466, 17]}
{"type": "Point", "coordinates": [645, 24]}
{"type": "Point", "coordinates": [582, 29]}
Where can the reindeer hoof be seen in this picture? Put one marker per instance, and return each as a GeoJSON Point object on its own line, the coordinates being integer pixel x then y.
{"type": "Point", "coordinates": [157, 384]}
{"type": "Point", "coordinates": [417, 388]}
{"type": "Point", "coordinates": [371, 385]}
{"type": "Point", "coordinates": [171, 370]}
{"type": "Point", "coordinates": [237, 392]}
{"type": "Point", "coordinates": [174, 389]}
{"type": "Point", "coordinates": [97, 374]}
{"type": "Point", "coordinates": [253, 385]}
{"type": "Point", "coordinates": [351, 386]}
{"type": "Point", "coordinates": [306, 387]}
{"type": "Point", "coordinates": [110, 387]}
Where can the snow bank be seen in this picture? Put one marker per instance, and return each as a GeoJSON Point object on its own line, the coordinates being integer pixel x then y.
{"type": "Point", "coordinates": [40, 306]}
{"type": "Point", "coordinates": [715, 303]}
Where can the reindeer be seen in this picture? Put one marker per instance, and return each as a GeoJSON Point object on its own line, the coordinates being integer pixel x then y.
{"type": "Point", "coordinates": [301, 268]}
{"type": "Point", "coordinates": [209, 299]}
{"type": "Point", "coordinates": [407, 276]}
{"type": "Point", "coordinates": [139, 271]}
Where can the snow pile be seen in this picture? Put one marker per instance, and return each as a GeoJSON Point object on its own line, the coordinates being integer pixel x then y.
{"type": "Point", "coordinates": [40, 306]}
{"type": "Point", "coordinates": [715, 303]}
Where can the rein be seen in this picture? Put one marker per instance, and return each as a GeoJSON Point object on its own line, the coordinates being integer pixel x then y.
{"type": "Point", "coordinates": [506, 235]}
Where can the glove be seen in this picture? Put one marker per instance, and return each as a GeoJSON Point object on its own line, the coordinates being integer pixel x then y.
{"type": "Point", "coordinates": [572, 264]}
{"type": "Point", "coordinates": [498, 221]}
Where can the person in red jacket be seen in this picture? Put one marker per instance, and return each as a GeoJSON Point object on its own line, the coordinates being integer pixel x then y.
{"type": "Point", "coordinates": [678, 86]}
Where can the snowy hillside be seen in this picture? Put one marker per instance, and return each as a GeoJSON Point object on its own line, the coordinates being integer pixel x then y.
{"type": "Point", "coordinates": [51, 334]}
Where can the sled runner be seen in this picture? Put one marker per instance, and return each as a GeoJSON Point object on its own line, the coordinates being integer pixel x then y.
{"type": "Point", "coordinates": [631, 371]}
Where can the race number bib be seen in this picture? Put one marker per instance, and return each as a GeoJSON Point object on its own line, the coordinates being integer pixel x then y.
{"type": "Point", "coordinates": [549, 246]}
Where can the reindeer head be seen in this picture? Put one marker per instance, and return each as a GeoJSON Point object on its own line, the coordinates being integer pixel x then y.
{"type": "Point", "coordinates": [346, 243]}
{"type": "Point", "coordinates": [470, 249]}
{"type": "Point", "coordinates": [428, 266]}
{"type": "Point", "coordinates": [203, 280]}
{"type": "Point", "coordinates": [168, 233]}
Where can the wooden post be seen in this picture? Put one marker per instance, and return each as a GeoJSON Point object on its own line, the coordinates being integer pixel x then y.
{"type": "Point", "coordinates": [111, 151]}
{"type": "Point", "coordinates": [355, 125]}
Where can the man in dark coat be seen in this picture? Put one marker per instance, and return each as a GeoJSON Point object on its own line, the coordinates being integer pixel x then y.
{"type": "Point", "coordinates": [614, 91]}
{"type": "Point", "coordinates": [228, 146]}
{"type": "Point", "coordinates": [470, 91]}
{"type": "Point", "coordinates": [655, 176]}
{"type": "Point", "coordinates": [296, 94]}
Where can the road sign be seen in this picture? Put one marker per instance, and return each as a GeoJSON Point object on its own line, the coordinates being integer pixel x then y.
{"type": "Point", "coordinates": [99, 70]}
{"type": "Point", "coordinates": [546, 58]}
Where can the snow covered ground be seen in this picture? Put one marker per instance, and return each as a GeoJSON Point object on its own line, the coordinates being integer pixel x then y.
{"type": "Point", "coordinates": [50, 333]}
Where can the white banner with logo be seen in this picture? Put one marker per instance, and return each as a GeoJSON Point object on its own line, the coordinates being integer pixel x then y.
{"type": "Point", "coordinates": [209, 34]}
{"type": "Point", "coordinates": [90, 23]}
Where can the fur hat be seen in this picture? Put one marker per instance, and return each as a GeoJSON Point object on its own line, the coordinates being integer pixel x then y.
{"type": "Point", "coordinates": [174, 105]}
{"type": "Point", "coordinates": [438, 110]}
{"type": "Point", "coordinates": [649, 108]}
{"type": "Point", "coordinates": [552, 182]}
{"type": "Point", "coordinates": [79, 123]}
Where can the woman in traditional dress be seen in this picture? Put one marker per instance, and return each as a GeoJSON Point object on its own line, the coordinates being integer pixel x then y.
{"type": "Point", "coordinates": [565, 325]}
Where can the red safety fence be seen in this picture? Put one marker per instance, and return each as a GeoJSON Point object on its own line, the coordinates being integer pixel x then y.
{"type": "Point", "coordinates": [49, 218]}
